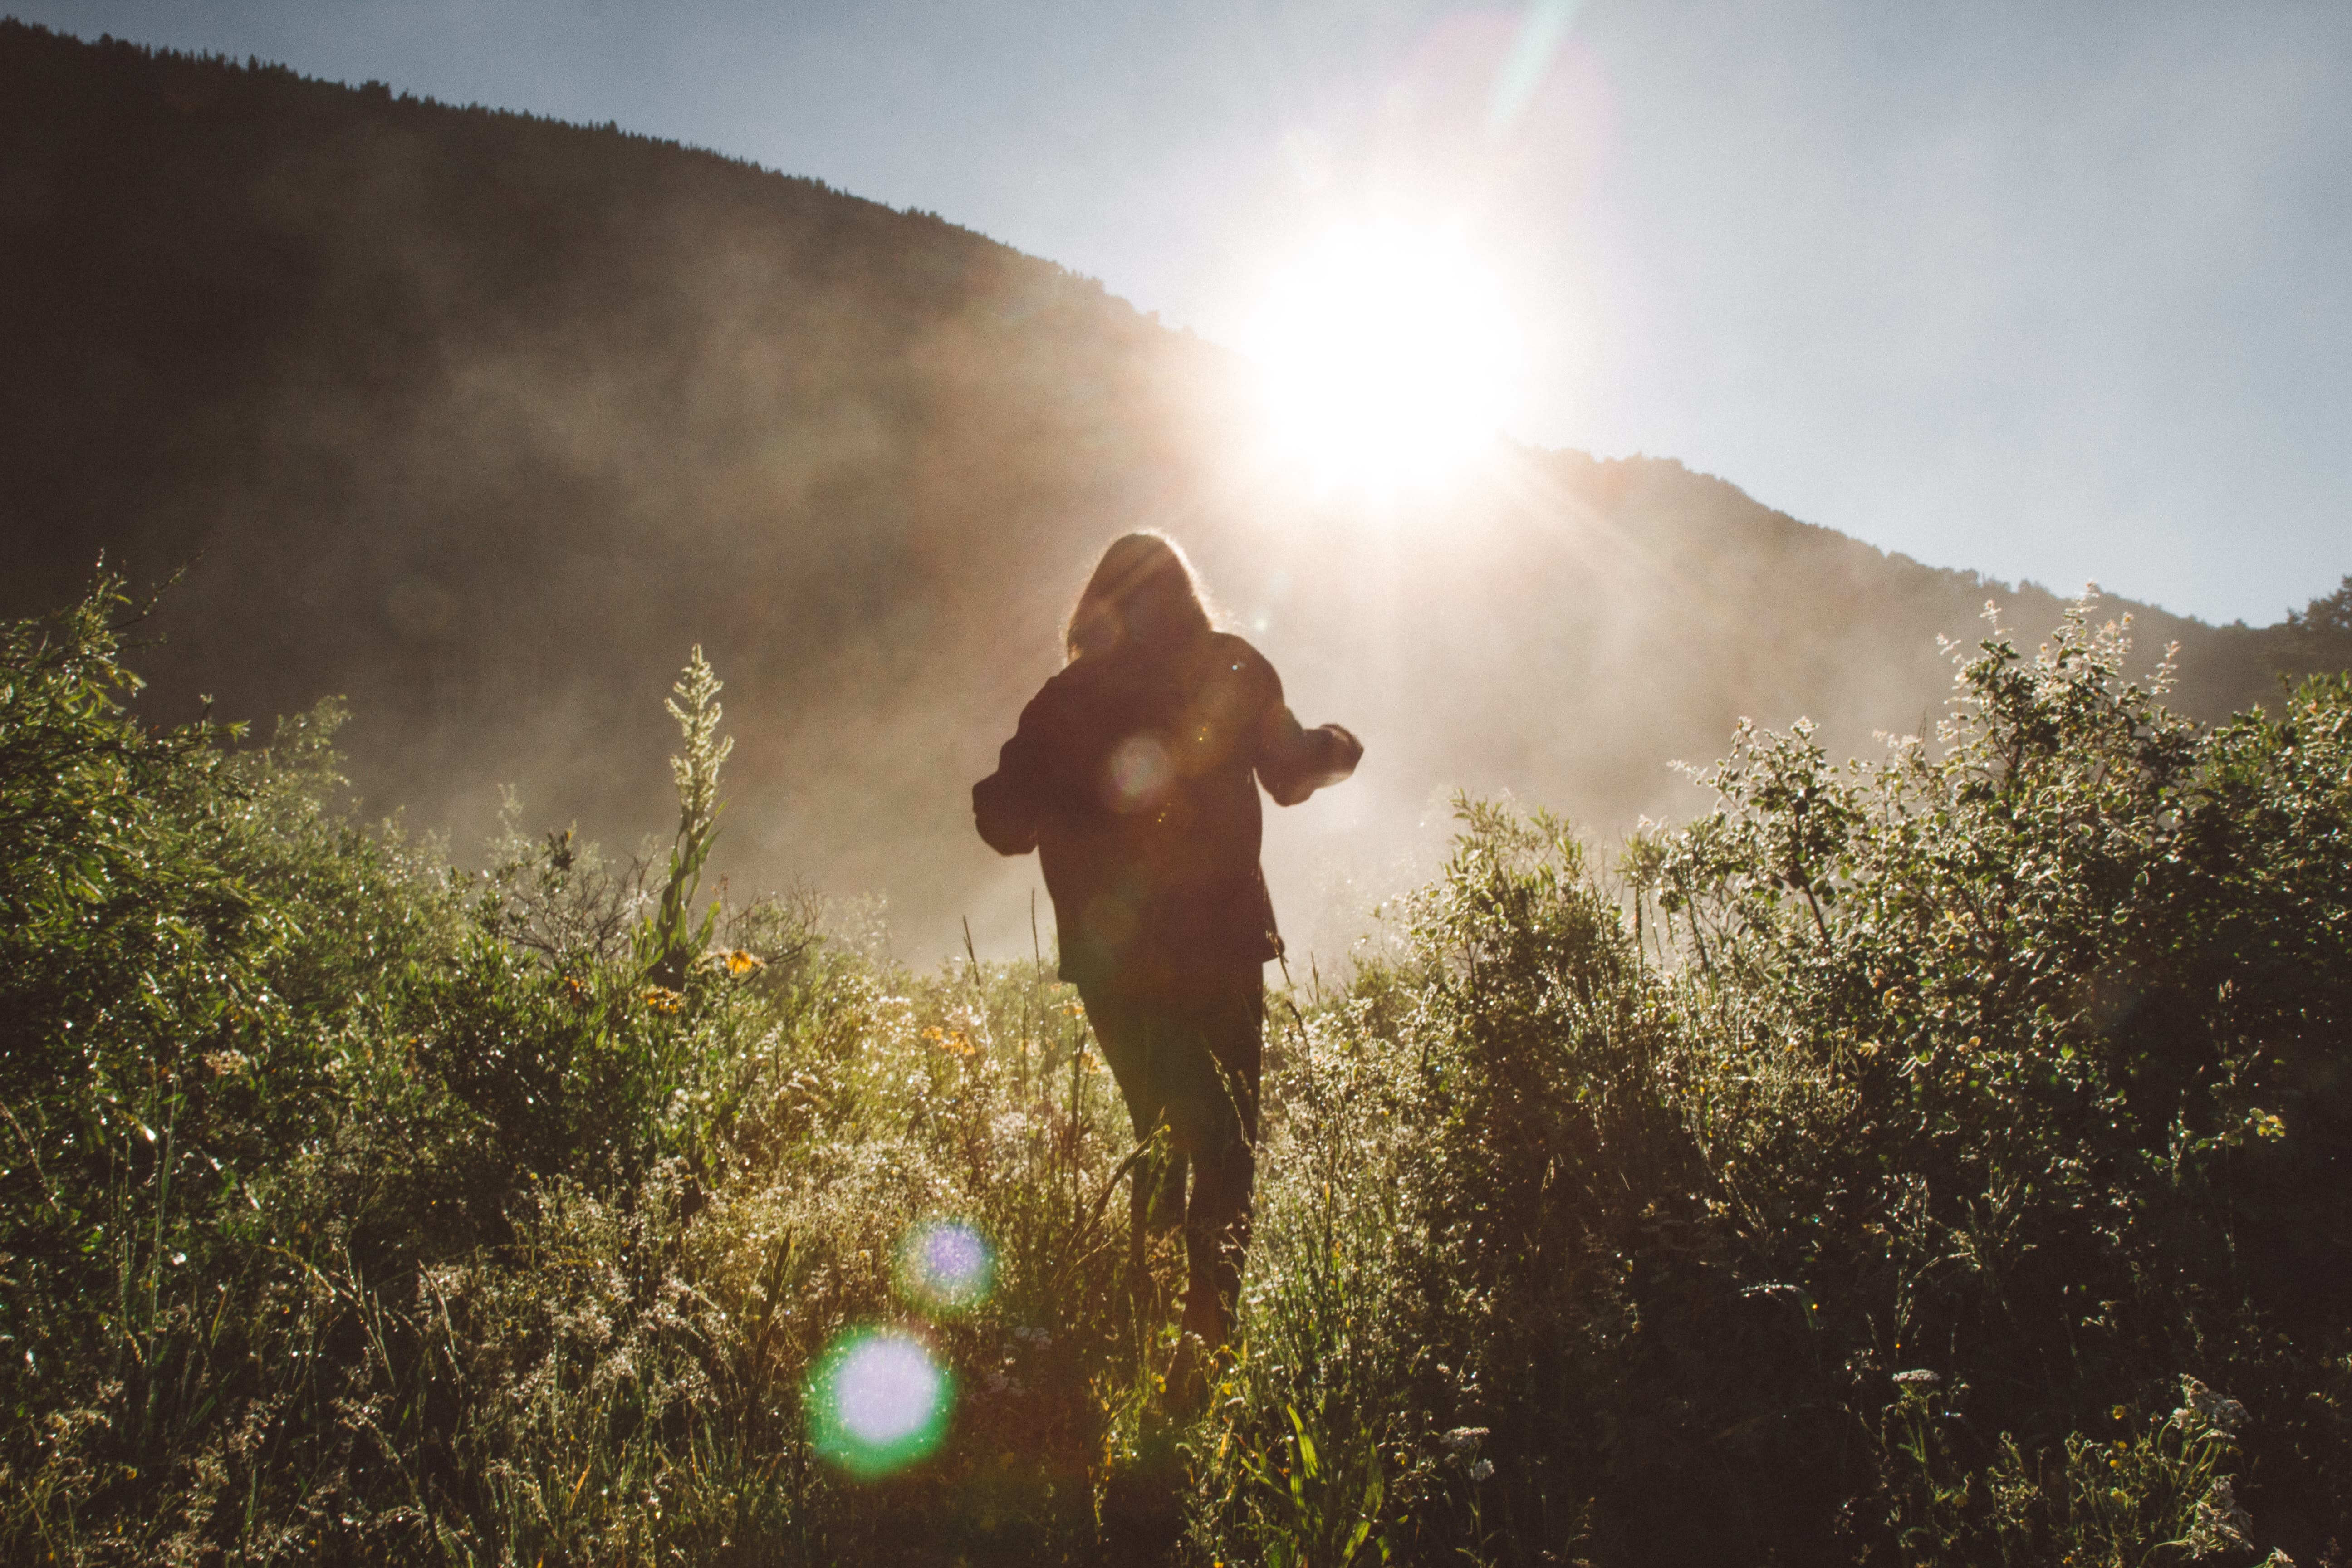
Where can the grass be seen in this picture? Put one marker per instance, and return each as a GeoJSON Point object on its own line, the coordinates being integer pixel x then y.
{"type": "Point", "coordinates": [1934, 1161]}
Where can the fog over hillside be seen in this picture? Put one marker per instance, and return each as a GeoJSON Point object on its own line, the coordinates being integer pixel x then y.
{"type": "Point", "coordinates": [481, 421]}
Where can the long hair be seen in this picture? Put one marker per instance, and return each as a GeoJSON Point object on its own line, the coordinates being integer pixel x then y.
{"type": "Point", "coordinates": [1142, 596]}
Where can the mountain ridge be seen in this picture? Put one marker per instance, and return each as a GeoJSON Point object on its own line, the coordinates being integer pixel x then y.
{"type": "Point", "coordinates": [481, 419]}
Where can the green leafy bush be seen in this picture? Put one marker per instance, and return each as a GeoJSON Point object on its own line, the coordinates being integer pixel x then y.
{"type": "Point", "coordinates": [1937, 1160]}
{"type": "Point", "coordinates": [1833, 1186]}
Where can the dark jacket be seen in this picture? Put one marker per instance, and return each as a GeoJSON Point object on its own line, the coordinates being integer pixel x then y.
{"type": "Point", "coordinates": [1134, 775]}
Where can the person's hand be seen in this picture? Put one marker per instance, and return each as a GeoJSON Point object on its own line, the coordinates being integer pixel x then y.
{"type": "Point", "coordinates": [1345, 754]}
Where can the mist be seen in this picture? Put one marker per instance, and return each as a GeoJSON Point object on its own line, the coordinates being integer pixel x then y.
{"type": "Point", "coordinates": [481, 421]}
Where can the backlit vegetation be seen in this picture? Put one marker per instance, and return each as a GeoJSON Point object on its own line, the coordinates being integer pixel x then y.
{"type": "Point", "coordinates": [1935, 1160]}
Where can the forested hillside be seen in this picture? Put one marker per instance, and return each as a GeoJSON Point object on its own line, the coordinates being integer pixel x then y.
{"type": "Point", "coordinates": [480, 420]}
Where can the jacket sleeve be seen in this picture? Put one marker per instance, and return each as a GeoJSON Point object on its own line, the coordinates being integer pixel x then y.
{"type": "Point", "coordinates": [1293, 761]}
{"type": "Point", "coordinates": [1008, 804]}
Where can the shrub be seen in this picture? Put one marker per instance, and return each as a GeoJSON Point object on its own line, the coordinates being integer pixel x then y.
{"type": "Point", "coordinates": [356, 1208]}
{"type": "Point", "coordinates": [1837, 1188]}
{"type": "Point", "coordinates": [1937, 1159]}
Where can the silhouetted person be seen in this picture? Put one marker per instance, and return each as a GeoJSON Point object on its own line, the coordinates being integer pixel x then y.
{"type": "Point", "coordinates": [1134, 775]}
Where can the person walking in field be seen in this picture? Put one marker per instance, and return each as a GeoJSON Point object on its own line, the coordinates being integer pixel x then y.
{"type": "Point", "coordinates": [1134, 775]}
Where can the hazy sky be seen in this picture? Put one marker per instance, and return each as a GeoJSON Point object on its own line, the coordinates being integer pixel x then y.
{"type": "Point", "coordinates": [2051, 290]}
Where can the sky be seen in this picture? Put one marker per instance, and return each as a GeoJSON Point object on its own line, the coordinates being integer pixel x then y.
{"type": "Point", "coordinates": [2058, 291]}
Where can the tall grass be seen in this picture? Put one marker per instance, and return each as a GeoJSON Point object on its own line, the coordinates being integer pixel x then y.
{"type": "Point", "coordinates": [1939, 1160]}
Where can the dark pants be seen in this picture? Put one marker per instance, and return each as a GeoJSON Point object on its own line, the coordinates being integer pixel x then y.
{"type": "Point", "coordinates": [1186, 1051]}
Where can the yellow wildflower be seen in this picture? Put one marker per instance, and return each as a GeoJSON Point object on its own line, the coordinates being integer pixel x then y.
{"type": "Point", "coordinates": [955, 1042]}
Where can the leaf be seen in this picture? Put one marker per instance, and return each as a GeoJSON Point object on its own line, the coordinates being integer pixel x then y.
{"type": "Point", "coordinates": [1308, 1460]}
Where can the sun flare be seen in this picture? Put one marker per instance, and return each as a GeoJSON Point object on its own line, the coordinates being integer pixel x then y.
{"type": "Point", "coordinates": [1383, 351]}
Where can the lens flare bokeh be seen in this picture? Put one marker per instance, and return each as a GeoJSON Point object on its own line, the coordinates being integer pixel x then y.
{"type": "Point", "coordinates": [1138, 774]}
{"type": "Point", "coordinates": [878, 1402]}
{"type": "Point", "coordinates": [946, 1267]}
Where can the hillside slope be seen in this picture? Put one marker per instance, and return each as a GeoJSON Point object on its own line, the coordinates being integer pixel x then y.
{"type": "Point", "coordinates": [480, 420]}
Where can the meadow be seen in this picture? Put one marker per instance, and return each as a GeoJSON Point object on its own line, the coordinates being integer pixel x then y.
{"type": "Point", "coordinates": [1936, 1159]}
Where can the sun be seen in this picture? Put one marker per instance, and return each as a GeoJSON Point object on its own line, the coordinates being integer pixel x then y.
{"type": "Point", "coordinates": [1384, 350]}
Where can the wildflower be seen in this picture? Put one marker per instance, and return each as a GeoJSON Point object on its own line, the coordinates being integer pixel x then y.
{"type": "Point", "coordinates": [955, 1042]}
{"type": "Point", "coordinates": [1463, 1438]}
{"type": "Point", "coordinates": [2220, 1525]}
{"type": "Point", "coordinates": [2199, 1403]}
{"type": "Point", "coordinates": [734, 961]}
{"type": "Point", "coordinates": [1920, 1377]}
{"type": "Point", "coordinates": [1481, 1470]}
{"type": "Point", "coordinates": [664, 999]}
